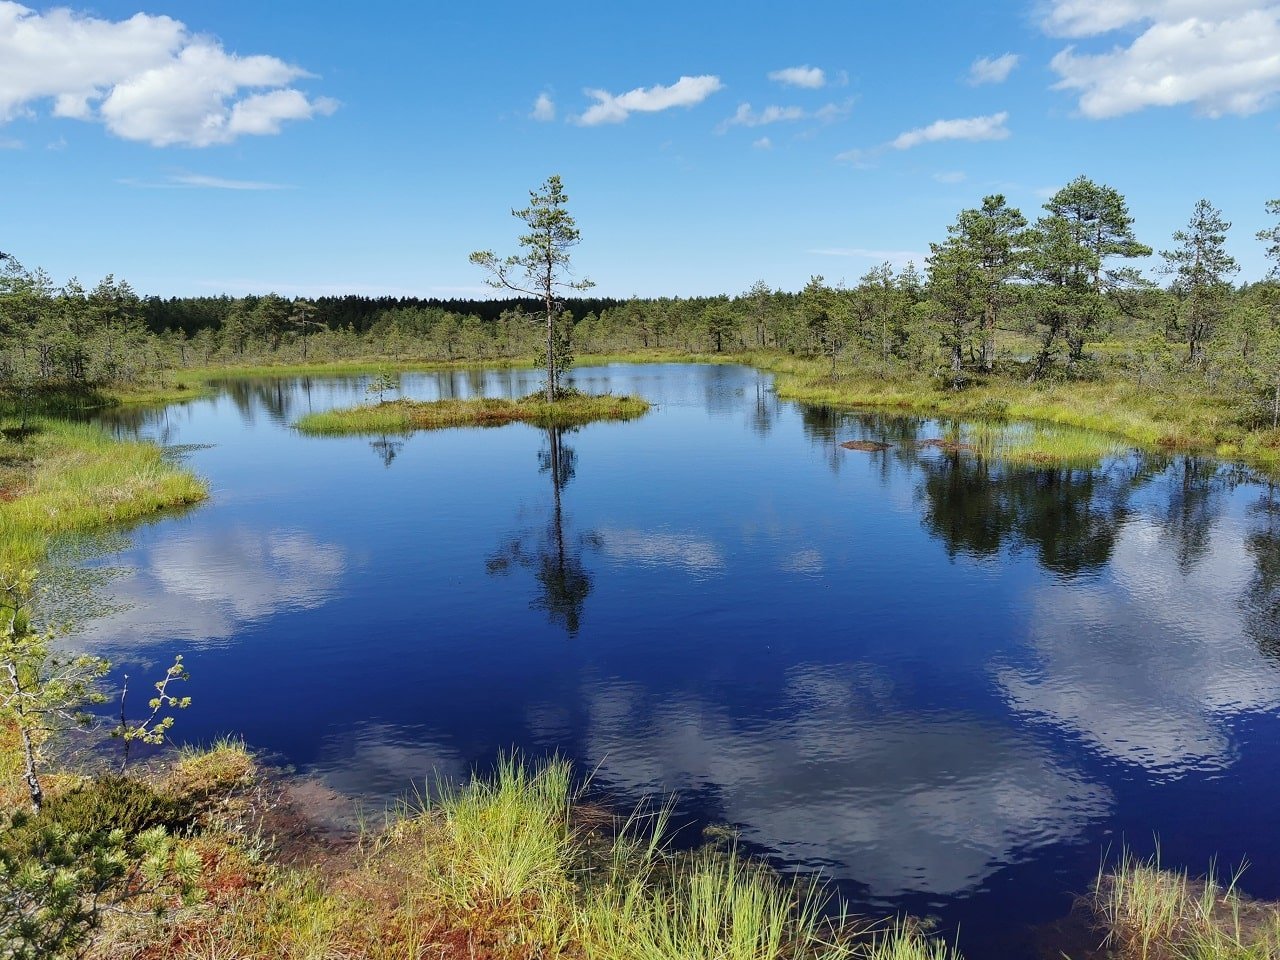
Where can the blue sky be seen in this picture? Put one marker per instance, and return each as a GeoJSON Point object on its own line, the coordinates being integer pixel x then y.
{"type": "Point", "coordinates": [322, 148]}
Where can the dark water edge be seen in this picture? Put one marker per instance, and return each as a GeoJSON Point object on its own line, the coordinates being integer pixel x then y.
{"type": "Point", "coordinates": [948, 685]}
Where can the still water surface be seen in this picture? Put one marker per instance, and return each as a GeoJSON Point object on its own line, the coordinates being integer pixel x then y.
{"type": "Point", "coordinates": [950, 686]}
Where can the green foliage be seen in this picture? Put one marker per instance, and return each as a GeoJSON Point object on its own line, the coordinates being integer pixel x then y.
{"type": "Point", "coordinates": [1200, 266]}
{"type": "Point", "coordinates": [40, 690]}
{"type": "Point", "coordinates": [1153, 913]}
{"type": "Point", "coordinates": [52, 882]}
{"type": "Point", "coordinates": [72, 477]}
{"type": "Point", "coordinates": [1271, 237]}
{"type": "Point", "coordinates": [383, 383]}
{"type": "Point", "coordinates": [1086, 226]}
{"type": "Point", "coordinates": [542, 270]}
{"type": "Point", "coordinates": [992, 408]}
{"type": "Point", "coordinates": [155, 726]}
{"type": "Point", "coordinates": [60, 871]}
{"type": "Point", "coordinates": [404, 416]}
{"type": "Point", "coordinates": [561, 351]}
{"type": "Point", "coordinates": [106, 803]}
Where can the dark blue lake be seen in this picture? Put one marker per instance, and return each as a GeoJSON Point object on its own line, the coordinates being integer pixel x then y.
{"type": "Point", "coordinates": [949, 685]}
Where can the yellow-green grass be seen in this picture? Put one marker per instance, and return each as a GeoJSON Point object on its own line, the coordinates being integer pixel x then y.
{"type": "Point", "coordinates": [508, 866]}
{"type": "Point", "coordinates": [1034, 444]}
{"type": "Point", "coordinates": [62, 477]}
{"type": "Point", "coordinates": [1183, 420]}
{"type": "Point", "coordinates": [62, 399]}
{"type": "Point", "coordinates": [226, 764]}
{"type": "Point", "coordinates": [404, 416]}
{"type": "Point", "coordinates": [1186, 419]}
{"type": "Point", "coordinates": [1153, 913]}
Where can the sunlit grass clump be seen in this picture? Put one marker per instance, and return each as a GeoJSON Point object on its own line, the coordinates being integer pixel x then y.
{"type": "Point", "coordinates": [1033, 444]}
{"type": "Point", "coordinates": [405, 416]}
{"type": "Point", "coordinates": [1151, 913]}
{"type": "Point", "coordinates": [511, 865]}
{"type": "Point", "coordinates": [59, 477]}
{"type": "Point", "coordinates": [224, 765]}
{"type": "Point", "coordinates": [1168, 418]}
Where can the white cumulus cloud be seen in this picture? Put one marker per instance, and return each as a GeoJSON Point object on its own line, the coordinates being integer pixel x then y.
{"type": "Point", "coordinates": [611, 108]}
{"type": "Point", "coordinates": [811, 78]}
{"type": "Point", "coordinates": [147, 78]}
{"type": "Point", "coordinates": [992, 69]}
{"type": "Point", "coordinates": [967, 128]}
{"type": "Point", "coordinates": [544, 109]}
{"type": "Point", "coordinates": [1217, 56]}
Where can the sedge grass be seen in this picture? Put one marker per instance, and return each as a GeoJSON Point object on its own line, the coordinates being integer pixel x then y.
{"type": "Point", "coordinates": [505, 839]}
{"type": "Point", "coordinates": [1171, 419]}
{"type": "Point", "coordinates": [506, 866]}
{"type": "Point", "coordinates": [224, 765]}
{"type": "Point", "coordinates": [404, 416]}
{"type": "Point", "coordinates": [1154, 913]}
{"type": "Point", "coordinates": [1032, 444]}
{"type": "Point", "coordinates": [65, 477]}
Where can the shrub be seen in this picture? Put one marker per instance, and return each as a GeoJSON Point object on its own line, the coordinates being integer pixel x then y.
{"type": "Point", "coordinates": [113, 803]}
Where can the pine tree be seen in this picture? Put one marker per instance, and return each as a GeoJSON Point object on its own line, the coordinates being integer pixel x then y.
{"type": "Point", "coordinates": [1200, 266]}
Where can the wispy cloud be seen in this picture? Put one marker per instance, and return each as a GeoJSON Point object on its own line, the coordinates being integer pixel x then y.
{"type": "Point", "coordinates": [992, 69]}
{"type": "Point", "coordinates": [747, 117]}
{"type": "Point", "coordinates": [951, 176]}
{"type": "Point", "coordinates": [11, 144]}
{"type": "Point", "coordinates": [147, 78]}
{"type": "Point", "coordinates": [611, 108]}
{"type": "Point", "coordinates": [858, 157]}
{"type": "Point", "coordinates": [764, 143]}
{"type": "Point", "coordinates": [202, 181]}
{"type": "Point", "coordinates": [810, 78]}
{"type": "Point", "coordinates": [544, 109]}
{"type": "Point", "coordinates": [966, 128]}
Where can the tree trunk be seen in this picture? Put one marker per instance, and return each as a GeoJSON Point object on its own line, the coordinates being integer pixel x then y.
{"type": "Point", "coordinates": [989, 339]}
{"type": "Point", "coordinates": [28, 745]}
{"type": "Point", "coordinates": [551, 357]}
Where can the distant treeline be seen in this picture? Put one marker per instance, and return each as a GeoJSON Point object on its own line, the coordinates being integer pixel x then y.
{"type": "Point", "coordinates": [193, 314]}
{"type": "Point", "coordinates": [1000, 295]}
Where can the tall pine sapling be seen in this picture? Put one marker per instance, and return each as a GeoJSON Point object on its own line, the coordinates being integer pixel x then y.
{"type": "Point", "coordinates": [543, 269]}
{"type": "Point", "coordinates": [1200, 266]}
{"type": "Point", "coordinates": [40, 691]}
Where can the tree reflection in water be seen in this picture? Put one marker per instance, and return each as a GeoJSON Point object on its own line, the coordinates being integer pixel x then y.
{"type": "Point", "coordinates": [554, 556]}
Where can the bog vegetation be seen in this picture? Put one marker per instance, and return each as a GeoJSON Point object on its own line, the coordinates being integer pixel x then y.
{"type": "Point", "coordinates": [1046, 314]}
{"type": "Point", "coordinates": [1041, 318]}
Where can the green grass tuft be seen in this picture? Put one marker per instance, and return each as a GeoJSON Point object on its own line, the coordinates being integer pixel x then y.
{"type": "Point", "coordinates": [405, 416]}
{"type": "Point", "coordinates": [64, 477]}
{"type": "Point", "coordinates": [1153, 913]}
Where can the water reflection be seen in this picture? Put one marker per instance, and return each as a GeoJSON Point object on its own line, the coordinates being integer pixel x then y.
{"type": "Point", "coordinates": [1150, 665]}
{"type": "Point", "coordinates": [204, 587]}
{"type": "Point", "coordinates": [387, 448]}
{"type": "Point", "coordinates": [1068, 517]}
{"type": "Point", "coordinates": [1262, 595]}
{"type": "Point", "coordinates": [848, 776]}
{"type": "Point", "coordinates": [937, 678]}
{"type": "Point", "coordinates": [554, 557]}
